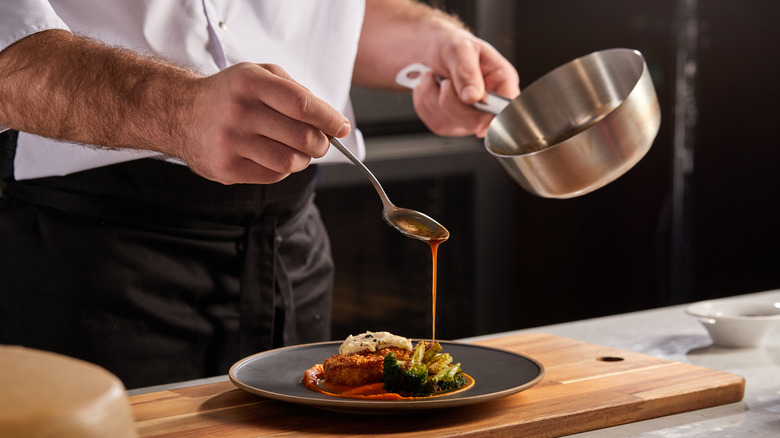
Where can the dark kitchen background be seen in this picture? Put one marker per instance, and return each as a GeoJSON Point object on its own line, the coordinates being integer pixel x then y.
{"type": "Point", "coordinates": [697, 218]}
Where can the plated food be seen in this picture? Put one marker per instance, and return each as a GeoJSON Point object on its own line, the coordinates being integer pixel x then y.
{"type": "Point", "coordinates": [387, 367]}
{"type": "Point", "coordinates": [372, 372]}
{"type": "Point", "coordinates": [277, 374]}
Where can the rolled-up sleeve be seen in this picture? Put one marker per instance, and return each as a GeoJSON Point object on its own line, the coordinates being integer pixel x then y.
{"type": "Point", "coordinates": [21, 18]}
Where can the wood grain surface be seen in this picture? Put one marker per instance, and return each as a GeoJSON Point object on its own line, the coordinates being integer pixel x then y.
{"type": "Point", "coordinates": [586, 387]}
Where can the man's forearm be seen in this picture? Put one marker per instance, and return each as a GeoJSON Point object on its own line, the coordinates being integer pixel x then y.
{"type": "Point", "coordinates": [394, 35]}
{"type": "Point", "coordinates": [62, 86]}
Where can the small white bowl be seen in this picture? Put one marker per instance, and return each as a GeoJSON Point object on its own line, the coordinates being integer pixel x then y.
{"type": "Point", "coordinates": [737, 322]}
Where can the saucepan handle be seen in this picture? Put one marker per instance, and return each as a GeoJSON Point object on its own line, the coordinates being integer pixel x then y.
{"type": "Point", "coordinates": [409, 77]}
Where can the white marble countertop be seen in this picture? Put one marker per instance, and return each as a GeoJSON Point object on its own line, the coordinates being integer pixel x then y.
{"type": "Point", "coordinates": [670, 333]}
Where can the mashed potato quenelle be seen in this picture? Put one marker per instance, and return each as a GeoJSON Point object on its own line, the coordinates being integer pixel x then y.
{"type": "Point", "coordinates": [373, 341]}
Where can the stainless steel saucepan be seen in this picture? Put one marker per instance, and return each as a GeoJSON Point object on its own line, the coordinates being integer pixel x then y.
{"type": "Point", "coordinates": [575, 129]}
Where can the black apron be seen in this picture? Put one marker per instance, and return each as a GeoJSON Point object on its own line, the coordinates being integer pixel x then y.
{"type": "Point", "coordinates": [160, 275]}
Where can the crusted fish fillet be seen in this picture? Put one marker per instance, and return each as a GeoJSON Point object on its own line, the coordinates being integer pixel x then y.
{"type": "Point", "coordinates": [359, 368]}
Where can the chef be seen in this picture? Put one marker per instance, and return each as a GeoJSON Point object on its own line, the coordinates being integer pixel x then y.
{"type": "Point", "coordinates": [158, 160]}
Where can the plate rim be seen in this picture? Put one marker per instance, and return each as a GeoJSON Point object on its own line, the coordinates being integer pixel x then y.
{"type": "Point", "coordinates": [359, 405]}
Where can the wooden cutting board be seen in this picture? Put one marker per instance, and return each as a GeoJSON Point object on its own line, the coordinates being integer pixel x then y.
{"type": "Point", "coordinates": [585, 387]}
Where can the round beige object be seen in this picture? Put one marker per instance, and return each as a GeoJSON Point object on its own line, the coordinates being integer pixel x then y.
{"type": "Point", "coordinates": [49, 395]}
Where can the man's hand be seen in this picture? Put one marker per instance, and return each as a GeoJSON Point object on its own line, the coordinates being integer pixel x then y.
{"type": "Point", "coordinates": [246, 124]}
{"type": "Point", "coordinates": [422, 34]}
{"type": "Point", "coordinates": [471, 68]}
{"type": "Point", "coordinates": [253, 123]}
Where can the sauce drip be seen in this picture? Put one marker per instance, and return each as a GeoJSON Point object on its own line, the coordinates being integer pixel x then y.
{"type": "Point", "coordinates": [434, 257]}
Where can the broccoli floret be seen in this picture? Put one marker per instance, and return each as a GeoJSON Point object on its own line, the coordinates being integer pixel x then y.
{"type": "Point", "coordinates": [405, 376]}
{"type": "Point", "coordinates": [425, 373]}
{"type": "Point", "coordinates": [392, 373]}
{"type": "Point", "coordinates": [458, 381]}
{"type": "Point", "coordinates": [447, 373]}
{"type": "Point", "coordinates": [439, 362]}
{"type": "Point", "coordinates": [414, 379]}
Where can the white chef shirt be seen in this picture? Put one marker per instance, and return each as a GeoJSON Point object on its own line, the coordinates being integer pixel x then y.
{"type": "Point", "coordinates": [315, 41]}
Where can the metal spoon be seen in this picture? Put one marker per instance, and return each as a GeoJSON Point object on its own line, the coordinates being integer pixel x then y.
{"type": "Point", "coordinates": [409, 222]}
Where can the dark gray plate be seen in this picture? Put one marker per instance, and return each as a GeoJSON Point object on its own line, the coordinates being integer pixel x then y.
{"type": "Point", "coordinates": [277, 374]}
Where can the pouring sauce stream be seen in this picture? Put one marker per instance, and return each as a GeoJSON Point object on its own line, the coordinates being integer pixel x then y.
{"type": "Point", "coordinates": [434, 243]}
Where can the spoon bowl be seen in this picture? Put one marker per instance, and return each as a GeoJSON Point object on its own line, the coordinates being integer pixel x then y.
{"type": "Point", "coordinates": [411, 223]}
{"type": "Point", "coordinates": [415, 224]}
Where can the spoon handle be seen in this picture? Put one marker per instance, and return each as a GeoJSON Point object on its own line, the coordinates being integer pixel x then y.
{"type": "Point", "coordinates": [409, 77]}
{"type": "Point", "coordinates": [375, 182]}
